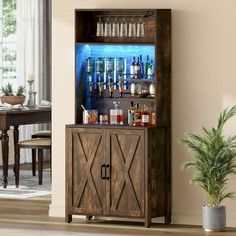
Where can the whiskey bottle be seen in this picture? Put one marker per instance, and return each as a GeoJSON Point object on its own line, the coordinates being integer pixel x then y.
{"type": "Point", "coordinates": [145, 116]}
{"type": "Point", "coordinates": [137, 115]}
{"type": "Point", "coordinates": [131, 114]}
{"type": "Point", "coordinates": [137, 70]}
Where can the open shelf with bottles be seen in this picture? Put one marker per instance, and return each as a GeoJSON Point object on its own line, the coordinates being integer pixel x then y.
{"type": "Point", "coordinates": [104, 71]}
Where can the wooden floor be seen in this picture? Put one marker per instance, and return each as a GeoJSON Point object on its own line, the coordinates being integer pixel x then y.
{"type": "Point", "coordinates": [30, 217]}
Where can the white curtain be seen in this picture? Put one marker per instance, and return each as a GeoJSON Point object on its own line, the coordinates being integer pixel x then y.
{"type": "Point", "coordinates": [29, 55]}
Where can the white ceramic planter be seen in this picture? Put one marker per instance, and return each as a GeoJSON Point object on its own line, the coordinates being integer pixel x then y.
{"type": "Point", "coordinates": [214, 218]}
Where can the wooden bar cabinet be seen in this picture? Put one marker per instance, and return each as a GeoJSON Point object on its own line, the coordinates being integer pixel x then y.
{"type": "Point", "coordinates": [121, 170]}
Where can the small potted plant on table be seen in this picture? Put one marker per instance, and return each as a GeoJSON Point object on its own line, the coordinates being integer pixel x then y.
{"type": "Point", "coordinates": [214, 160]}
{"type": "Point", "coordinates": [10, 97]}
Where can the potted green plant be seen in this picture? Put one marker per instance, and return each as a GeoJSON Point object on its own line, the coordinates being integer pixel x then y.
{"type": "Point", "coordinates": [9, 97]}
{"type": "Point", "coordinates": [214, 160]}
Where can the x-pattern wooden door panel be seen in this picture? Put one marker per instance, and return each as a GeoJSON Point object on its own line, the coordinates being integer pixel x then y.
{"type": "Point", "coordinates": [88, 157]}
{"type": "Point", "coordinates": [127, 173]}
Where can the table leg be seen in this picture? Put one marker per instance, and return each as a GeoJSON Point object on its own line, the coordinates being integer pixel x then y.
{"type": "Point", "coordinates": [16, 155]}
{"type": "Point", "coordinates": [5, 153]}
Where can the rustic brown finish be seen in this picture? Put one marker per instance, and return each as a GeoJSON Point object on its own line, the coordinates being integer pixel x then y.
{"type": "Point", "coordinates": [16, 118]}
{"type": "Point", "coordinates": [114, 171]}
{"type": "Point", "coordinates": [163, 67]}
{"type": "Point", "coordinates": [119, 170]}
{"type": "Point", "coordinates": [127, 172]}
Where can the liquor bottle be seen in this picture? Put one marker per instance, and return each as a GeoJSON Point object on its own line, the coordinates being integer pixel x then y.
{"type": "Point", "coordinates": [90, 68]}
{"type": "Point", "coordinates": [131, 114]}
{"type": "Point", "coordinates": [150, 70]}
{"type": "Point", "coordinates": [137, 115]}
{"type": "Point", "coordinates": [145, 116]}
{"type": "Point", "coordinates": [152, 118]}
{"type": "Point", "coordinates": [132, 69]}
{"type": "Point", "coordinates": [152, 89]}
{"type": "Point", "coordinates": [100, 66]}
{"type": "Point", "coordinates": [120, 67]}
{"type": "Point", "coordinates": [137, 70]}
{"type": "Point", "coordinates": [110, 65]}
{"type": "Point", "coordinates": [100, 69]}
{"type": "Point", "coordinates": [116, 115]}
{"type": "Point", "coordinates": [90, 64]}
{"type": "Point", "coordinates": [142, 66]}
{"type": "Point", "coordinates": [147, 65]}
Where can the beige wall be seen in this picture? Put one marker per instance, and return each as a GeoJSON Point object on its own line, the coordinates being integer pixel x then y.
{"type": "Point", "coordinates": [203, 75]}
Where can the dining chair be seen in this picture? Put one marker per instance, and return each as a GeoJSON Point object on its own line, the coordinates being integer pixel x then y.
{"type": "Point", "coordinates": [39, 144]}
{"type": "Point", "coordinates": [39, 134]}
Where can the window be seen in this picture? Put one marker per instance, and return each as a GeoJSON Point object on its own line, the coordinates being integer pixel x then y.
{"type": "Point", "coordinates": [8, 42]}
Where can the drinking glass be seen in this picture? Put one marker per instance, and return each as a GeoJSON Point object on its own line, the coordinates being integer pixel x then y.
{"type": "Point", "coordinates": [100, 28]}
{"type": "Point", "coordinates": [132, 28]}
{"type": "Point", "coordinates": [140, 28]}
{"type": "Point", "coordinates": [123, 28]}
{"type": "Point", "coordinates": [107, 28]}
{"type": "Point", "coordinates": [115, 28]}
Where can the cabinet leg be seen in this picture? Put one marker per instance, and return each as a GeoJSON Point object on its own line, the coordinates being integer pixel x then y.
{"type": "Point", "coordinates": [89, 217]}
{"type": "Point", "coordinates": [148, 222]}
{"type": "Point", "coordinates": [167, 219]}
{"type": "Point", "coordinates": [68, 218]}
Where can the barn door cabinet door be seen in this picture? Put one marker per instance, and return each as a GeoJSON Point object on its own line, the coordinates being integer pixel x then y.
{"type": "Point", "coordinates": [118, 172]}
{"type": "Point", "coordinates": [106, 172]}
{"type": "Point", "coordinates": [126, 186]}
{"type": "Point", "coordinates": [86, 185]}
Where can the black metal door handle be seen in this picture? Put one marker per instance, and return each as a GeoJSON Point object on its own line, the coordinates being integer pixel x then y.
{"type": "Point", "coordinates": [103, 171]}
{"type": "Point", "coordinates": [107, 171]}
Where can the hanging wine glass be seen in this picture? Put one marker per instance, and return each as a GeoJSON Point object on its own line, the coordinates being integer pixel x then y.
{"type": "Point", "coordinates": [100, 28]}
{"type": "Point", "coordinates": [132, 28]}
{"type": "Point", "coordinates": [115, 28]}
{"type": "Point", "coordinates": [107, 28]}
{"type": "Point", "coordinates": [123, 28]}
{"type": "Point", "coordinates": [140, 28]}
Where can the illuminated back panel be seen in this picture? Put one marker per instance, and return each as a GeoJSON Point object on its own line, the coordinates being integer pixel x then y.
{"type": "Point", "coordinates": [94, 100]}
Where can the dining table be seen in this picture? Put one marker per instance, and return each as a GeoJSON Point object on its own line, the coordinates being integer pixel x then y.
{"type": "Point", "coordinates": [14, 118]}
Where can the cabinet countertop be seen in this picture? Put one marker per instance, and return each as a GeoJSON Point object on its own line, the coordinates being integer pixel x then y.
{"type": "Point", "coordinates": [115, 126]}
